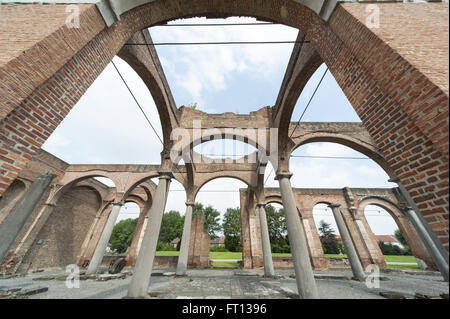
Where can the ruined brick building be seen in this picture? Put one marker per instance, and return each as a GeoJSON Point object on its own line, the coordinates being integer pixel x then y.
{"type": "Point", "coordinates": [53, 213]}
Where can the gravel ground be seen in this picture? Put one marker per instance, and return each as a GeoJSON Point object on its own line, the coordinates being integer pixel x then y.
{"type": "Point", "coordinates": [229, 284]}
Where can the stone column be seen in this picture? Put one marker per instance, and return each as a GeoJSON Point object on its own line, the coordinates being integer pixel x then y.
{"type": "Point", "coordinates": [144, 264]}
{"type": "Point", "coordinates": [355, 263]}
{"type": "Point", "coordinates": [265, 240]}
{"type": "Point", "coordinates": [304, 275]}
{"type": "Point", "coordinates": [433, 250]}
{"type": "Point", "coordinates": [104, 240]}
{"type": "Point", "coordinates": [184, 246]}
{"type": "Point", "coordinates": [422, 221]}
{"type": "Point", "coordinates": [14, 222]}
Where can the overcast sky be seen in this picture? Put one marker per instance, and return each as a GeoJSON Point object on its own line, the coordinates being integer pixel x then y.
{"type": "Point", "coordinates": [106, 126]}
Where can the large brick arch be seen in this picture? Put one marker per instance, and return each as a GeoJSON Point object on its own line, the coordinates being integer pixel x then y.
{"type": "Point", "coordinates": [352, 135]}
{"type": "Point", "coordinates": [403, 105]}
{"type": "Point", "coordinates": [401, 220]}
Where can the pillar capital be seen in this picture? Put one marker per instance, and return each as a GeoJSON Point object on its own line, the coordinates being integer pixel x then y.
{"type": "Point", "coordinates": [259, 205]}
{"type": "Point", "coordinates": [281, 175]}
{"type": "Point", "coordinates": [117, 204]}
{"type": "Point", "coordinates": [190, 204]}
{"type": "Point", "coordinates": [395, 180]}
{"type": "Point", "coordinates": [165, 174]}
{"type": "Point", "coordinates": [332, 206]}
{"type": "Point", "coordinates": [406, 209]}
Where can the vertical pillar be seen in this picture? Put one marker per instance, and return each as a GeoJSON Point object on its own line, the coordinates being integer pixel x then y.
{"type": "Point", "coordinates": [144, 264]}
{"type": "Point", "coordinates": [433, 250]}
{"type": "Point", "coordinates": [355, 263]}
{"type": "Point", "coordinates": [13, 223]}
{"type": "Point", "coordinates": [265, 240]}
{"type": "Point", "coordinates": [421, 220]}
{"type": "Point", "coordinates": [104, 240]}
{"type": "Point", "coordinates": [304, 275]}
{"type": "Point", "coordinates": [184, 246]}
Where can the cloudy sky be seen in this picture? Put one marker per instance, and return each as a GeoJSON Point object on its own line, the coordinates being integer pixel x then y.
{"type": "Point", "coordinates": [106, 126]}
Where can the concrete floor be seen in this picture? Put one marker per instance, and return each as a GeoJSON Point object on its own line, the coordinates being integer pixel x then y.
{"type": "Point", "coordinates": [229, 284]}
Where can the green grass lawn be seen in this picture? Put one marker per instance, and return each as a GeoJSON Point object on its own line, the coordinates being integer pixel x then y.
{"type": "Point", "coordinates": [400, 259]}
{"type": "Point", "coordinates": [238, 256]}
{"type": "Point", "coordinates": [225, 255]}
{"type": "Point", "coordinates": [167, 253]}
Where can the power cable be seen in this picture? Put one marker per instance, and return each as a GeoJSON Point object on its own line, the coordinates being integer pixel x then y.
{"type": "Point", "coordinates": [216, 43]}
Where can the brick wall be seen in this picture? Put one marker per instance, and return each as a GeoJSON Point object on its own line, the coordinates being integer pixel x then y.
{"type": "Point", "coordinates": [65, 231]}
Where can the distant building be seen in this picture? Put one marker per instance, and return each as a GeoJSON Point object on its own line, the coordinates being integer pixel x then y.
{"type": "Point", "coordinates": [385, 239]}
{"type": "Point", "coordinates": [217, 241]}
{"type": "Point", "coordinates": [388, 239]}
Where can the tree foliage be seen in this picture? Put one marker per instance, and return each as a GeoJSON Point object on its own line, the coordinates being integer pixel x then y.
{"type": "Point", "coordinates": [122, 235]}
{"type": "Point", "coordinates": [212, 225]}
{"type": "Point", "coordinates": [232, 229]}
{"type": "Point", "coordinates": [328, 238]}
{"type": "Point", "coordinates": [171, 227]}
{"type": "Point", "coordinates": [276, 222]}
{"type": "Point", "coordinates": [406, 249]}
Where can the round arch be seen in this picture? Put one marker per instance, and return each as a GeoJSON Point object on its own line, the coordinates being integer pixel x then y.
{"type": "Point", "coordinates": [73, 182]}
{"type": "Point", "coordinates": [369, 150]}
{"type": "Point", "coordinates": [236, 176]}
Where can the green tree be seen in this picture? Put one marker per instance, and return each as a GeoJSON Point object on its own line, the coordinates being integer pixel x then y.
{"type": "Point", "coordinates": [276, 222]}
{"type": "Point", "coordinates": [122, 235]}
{"type": "Point", "coordinates": [328, 238]}
{"type": "Point", "coordinates": [232, 229]}
{"type": "Point", "coordinates": [406, 249]}
{"type": "Point", "coordinates": [171, 227]}
{"type": "Point", "coordinates": [212, 224]}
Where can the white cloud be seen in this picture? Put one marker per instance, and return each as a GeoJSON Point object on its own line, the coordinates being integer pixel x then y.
{"type": "Point", "coordinates": [208, 69]}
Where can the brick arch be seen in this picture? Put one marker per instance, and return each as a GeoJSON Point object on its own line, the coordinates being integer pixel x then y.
{"type": "Point", "coordinates": [357, 145]}
{"type": "Point", "coordinates": [145, 179]}
{"type": "Point", "coordinates": [233, 175]}
{"type": "Point", "coordinates": [392, 208]}
{"type": "Point", "coordinates": [403, 223]}
{"type": "Point", "coordinates": [403, 105]}
{"type": "Point", "coordinates": [73, 181]}
{"type": "Point", "coordinates": [132, 56]}
{"type": "Point", "coordinates": [273, 200]}
{"type": "Point", "coordinates": [218, 135]}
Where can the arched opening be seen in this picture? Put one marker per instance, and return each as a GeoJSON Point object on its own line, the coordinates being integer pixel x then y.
{"type": "Point", "coordinates": [327, 101]}
{"type": "Point", "coordinates": [171, 231]}
{"type": "Point", "coordinates": [393, 234]}
{"type": "Point", "coordinates": [10, 198]}
{"type": "Point", "coordinates": [226, 220]}
{"type": "Point", "coordinates": [328, 231]}
{"type": "Point", "coordinates": [113, 125]}
{"type": "Point", "coordinates": [213, 78]}
{"type": "Point", "coordinates": [332, 165]}
{"type": "Point", "coordinates": [125, 228]}
{"type": "Point", "coordinates": [276, 224]}
{"type": "Point", "coordinates": [225, 150]}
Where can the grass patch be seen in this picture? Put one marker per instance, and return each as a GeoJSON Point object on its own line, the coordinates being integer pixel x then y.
{"type": "Point", "coordinates": [167, 253]}
{"type": "Point", "coordinates": [400, 259]}
{"type": "Point", "coordinates": [335, 256]}
{"type": "Point", "coordinates": [224, 255]}
{"type": "Point", "coordinates": [226, 264]}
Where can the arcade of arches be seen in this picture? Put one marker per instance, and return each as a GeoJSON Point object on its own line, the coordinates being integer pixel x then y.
{"type": "Point", "coordinates": [66, 215]}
